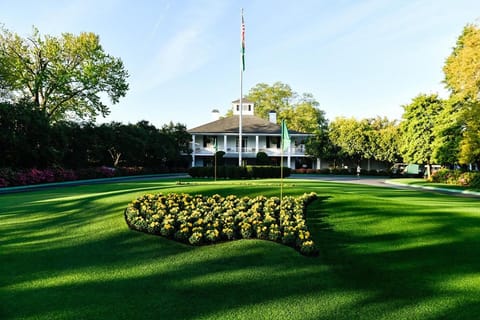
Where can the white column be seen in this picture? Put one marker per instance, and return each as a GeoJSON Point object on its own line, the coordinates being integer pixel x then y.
{"type": "Point", "coordinates": [256, 144]}
{"type": "Point", "coordinates": [289, 156]}
{"type": "Point", "coordinates": [193, 150]}
{"type": "Point", "coordinates": [225, 143]}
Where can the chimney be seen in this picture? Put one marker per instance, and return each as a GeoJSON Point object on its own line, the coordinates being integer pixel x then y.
{"type": "Point", "coordinates": [215, 114]}
{"type": "Point", "coordinates": [272, 116]}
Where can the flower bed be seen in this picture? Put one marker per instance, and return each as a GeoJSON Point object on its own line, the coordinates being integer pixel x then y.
{"type": "Point", "coordinates": [457, 177]}
{"type": "Point", "coordinates": [201, 220]}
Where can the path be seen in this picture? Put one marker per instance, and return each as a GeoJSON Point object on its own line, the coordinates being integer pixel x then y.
{"type": "Point", "coordinates": [386, 182]}
{"type": "Point", "coordinates": [371, 181]}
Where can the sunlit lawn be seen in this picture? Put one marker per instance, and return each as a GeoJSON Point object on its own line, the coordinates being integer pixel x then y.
{"type": "Point", "coordinates": [384, 254]}
{"type": "Point", "coordinates": [424, 183]}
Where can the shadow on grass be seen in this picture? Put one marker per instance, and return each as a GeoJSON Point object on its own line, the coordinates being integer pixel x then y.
{"type": "Point", "coordinates": [70, 253]}
{"type": "Point", "coordinates": [384, 253]}
{"type": "Point", "coordinates": [404, 250]}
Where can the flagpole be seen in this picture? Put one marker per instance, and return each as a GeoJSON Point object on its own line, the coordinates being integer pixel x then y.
{"type": "Point", "coordinates": [281, 168]}
{"type": "Point", "coordinates": [242, 67]}
{"type": "Point", "coordinates": [284, 144]}
{"type": "Point", "coordinates": [240, 122]}
{"type": "Point", "coordinates": [215, 157]}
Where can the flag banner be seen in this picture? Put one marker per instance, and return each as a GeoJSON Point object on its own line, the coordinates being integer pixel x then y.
{"type": "Point", "coordinates": [242, 35]}
{"type": "Point", "coordinates": [285, 137]}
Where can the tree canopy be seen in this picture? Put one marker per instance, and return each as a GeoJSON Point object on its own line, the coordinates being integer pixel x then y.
{"type": "Point", "coordinates": [462, 77]}
{"type": "Point", "coordinates": [419, 119]}
{"type": "Point", "coordinates": [277, 97]}
{"type": "Point", "coordinates": [63, 76]}
{"type": "Point", "coordinates": [462, 67]}
{"type": "Point", "coordinates": [350, 135]}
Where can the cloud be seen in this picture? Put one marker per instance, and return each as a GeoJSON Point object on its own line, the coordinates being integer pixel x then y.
{"type": "Point", "coordinates": [182, 52]}
{"type": "Point", "coordinates": [185, 52]}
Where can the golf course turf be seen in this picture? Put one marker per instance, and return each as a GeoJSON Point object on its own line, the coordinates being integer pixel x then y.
{"type": "Point", "coordinates": [67, 253]}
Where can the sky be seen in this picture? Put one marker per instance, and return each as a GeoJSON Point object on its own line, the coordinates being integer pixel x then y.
{"type": "Point", "coordinates": [358, 58]}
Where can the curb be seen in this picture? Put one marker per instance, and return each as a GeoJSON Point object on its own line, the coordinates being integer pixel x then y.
{"type": "Point", "coordinates": [44, 186]}
{"type": "Point", "coordinates": [464, 192]}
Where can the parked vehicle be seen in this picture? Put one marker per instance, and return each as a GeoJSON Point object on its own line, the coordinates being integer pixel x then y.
{"type": "Point", "coordinates": [433, 168]}
{"type": "Point", "coordinates": [407, 170]}
{"type": "Point", "coordinates": [397, 169]}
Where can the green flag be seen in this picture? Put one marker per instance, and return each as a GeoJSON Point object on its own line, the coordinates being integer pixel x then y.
{"type": "Point", "coordinates": [285, 137]}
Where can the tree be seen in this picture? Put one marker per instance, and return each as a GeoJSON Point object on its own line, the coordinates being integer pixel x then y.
{"type": "Point", "coordinates": [305, 117]}
{"type": "Point", "coordinates": [462, 67]}
{"type": "Point", "coordinates": [25, 137]}
{"type": "Point", "coordinates": [262, 159]}
{"type": "Point", "coordinates": [448, 133]}
{"type": "Point", "coordinates": [300, 111]}
{"type": "Point", "coordinates": [383, 139]}
{"type": "Point", "coordinates": [180, 136]}
{"type": "Point", "coordinates": [75, 142]}
{"type": "Point", "coordinates": [470, 143]}
{"type": "Point", "coordinates": [417, 128]}
{"type": "Point", "coordinates": [462, 70]}
{"type": "Point", "coordinates": [219, 158]}
{"type": "Point", "coordinates": [350, 135]}
{"type": "Point", "coordinates": [63, 76]}
{"type": "Point", "coordinates": [277, 97]}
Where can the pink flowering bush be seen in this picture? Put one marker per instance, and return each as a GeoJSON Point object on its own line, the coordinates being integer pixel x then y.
{"type": "Point", "coordinates": [457, 177]}
{"type": "Point", "coordinates": [3, 182]}
{"type": "Point", "coordinates": [201, 220]}
{"type": "Point", "coordinates": [10, 177]}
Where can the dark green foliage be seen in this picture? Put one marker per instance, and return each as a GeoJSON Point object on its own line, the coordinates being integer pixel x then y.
{"type": "Point", "coordinates": [219, 158]}
{"type": "Point", "coordinates": [262, 159]}
{"type": "Point", "coordinates": [267, 172]}
{"type": "Point", "coordinates": [233, 172]}
{"type": "Point", "coordinates": [417, 128]}
{"type": "Point", "coordinates": [28, 140]}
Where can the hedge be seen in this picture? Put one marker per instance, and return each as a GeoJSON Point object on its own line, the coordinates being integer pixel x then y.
{"type": "Point", "coordinates": [342, 171]}
{"type": "Point", "coordinates": [457, 177]}
{"type": "Point", "coordinates": [234, 172]}
{"type": "Point", "coordinates": [10, 177]}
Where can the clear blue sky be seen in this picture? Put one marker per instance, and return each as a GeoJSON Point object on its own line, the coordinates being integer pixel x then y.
{"type": "Point", "coordinates": [357, 58]}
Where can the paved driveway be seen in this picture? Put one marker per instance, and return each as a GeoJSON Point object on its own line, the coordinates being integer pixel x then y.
{"type": "Point", "coordinates": [371, 181]}
{"type": "Point", "coordinates": [386, 182]}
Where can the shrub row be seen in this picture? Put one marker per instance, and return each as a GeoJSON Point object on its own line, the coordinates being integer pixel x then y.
{"type": "Point", "coordinates": [198, 219]}
{"type": "Point", "coordinates": [234, 172]}
{"type": "Point", "coordinates": [457, 177]}
{"type": "Point", "coordinates": [10, 177]}
{"type": "Point", "coordinates": [342, 171]}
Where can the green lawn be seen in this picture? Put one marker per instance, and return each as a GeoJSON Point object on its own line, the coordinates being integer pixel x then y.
{"type": "Point", "coordinates": [423, 183]}
{"type": "Point", "coordinates": [384, 254]}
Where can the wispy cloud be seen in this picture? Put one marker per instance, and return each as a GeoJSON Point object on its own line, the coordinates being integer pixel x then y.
{"type": "Point", "coordinates": [182, 52]}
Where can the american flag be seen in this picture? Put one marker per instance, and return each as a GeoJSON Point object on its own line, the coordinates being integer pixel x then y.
{"type": "Point", "coordinates": [243, 43]}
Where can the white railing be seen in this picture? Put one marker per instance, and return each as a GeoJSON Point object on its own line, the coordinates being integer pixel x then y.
{"type": "Point", "coordinates": [209, 150]}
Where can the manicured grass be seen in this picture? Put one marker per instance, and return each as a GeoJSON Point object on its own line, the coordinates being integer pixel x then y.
{"type": "Point", "coordinates": [424, 183]}
{"type": "Point", "coordinates": [384, 254]}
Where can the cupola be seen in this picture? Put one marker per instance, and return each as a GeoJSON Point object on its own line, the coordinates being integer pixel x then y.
{"type": "Point", "coordinates": [248, 107]}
